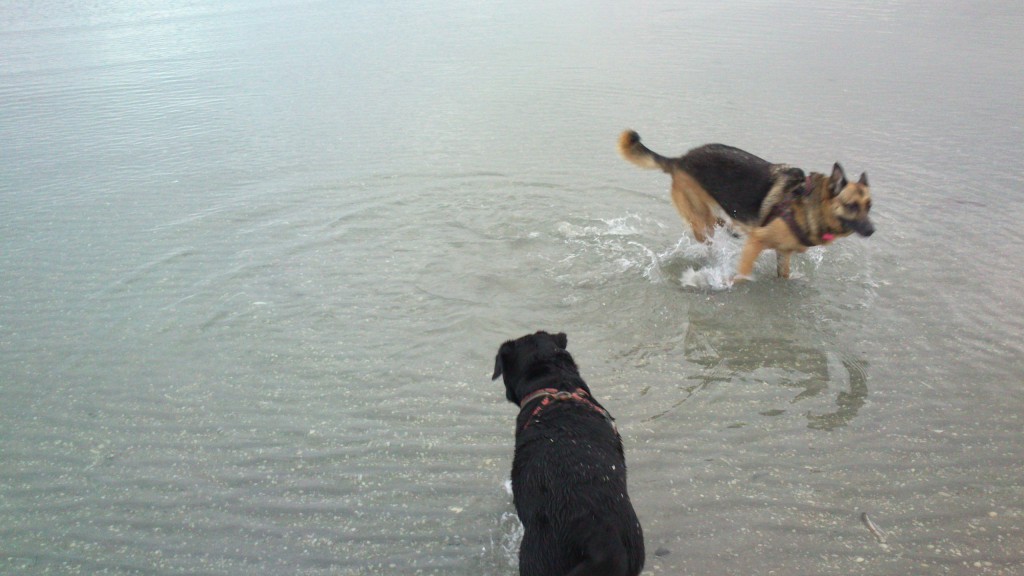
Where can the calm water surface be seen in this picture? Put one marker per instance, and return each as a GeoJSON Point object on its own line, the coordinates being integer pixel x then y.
{"type": "Point", "coordinates": [256, 259]}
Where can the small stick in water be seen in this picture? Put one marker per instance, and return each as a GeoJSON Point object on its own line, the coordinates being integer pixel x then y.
{"type": "Point", "coordinates": [875, 530]}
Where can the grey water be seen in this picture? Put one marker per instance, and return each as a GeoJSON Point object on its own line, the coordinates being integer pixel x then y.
{"type": "Point", "coordinates": [256, 258]}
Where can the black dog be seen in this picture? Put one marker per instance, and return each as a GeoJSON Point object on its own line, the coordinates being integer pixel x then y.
{"type": "Point", "coordinates": [569, 471]}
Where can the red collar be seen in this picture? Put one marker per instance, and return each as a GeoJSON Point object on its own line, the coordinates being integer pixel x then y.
{"type": "Point", "coordinates": [552, 395]}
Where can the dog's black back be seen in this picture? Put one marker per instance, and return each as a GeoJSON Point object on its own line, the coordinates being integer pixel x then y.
{"type": "Point", "coordinates": [569, 470]}
{"type": "Point", "coordinates": [736, 179]}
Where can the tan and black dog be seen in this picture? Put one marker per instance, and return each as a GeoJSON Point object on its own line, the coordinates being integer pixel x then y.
{"type": "Point", "coordinates": [776, 205]}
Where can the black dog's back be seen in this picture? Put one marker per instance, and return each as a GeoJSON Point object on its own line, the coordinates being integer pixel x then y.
{"type": "Point", "coordinates": [735, 178]}
{"type": "Point", "coordinates": [569, 471]}
{"type": "Point", "coordinates": [569, 486]}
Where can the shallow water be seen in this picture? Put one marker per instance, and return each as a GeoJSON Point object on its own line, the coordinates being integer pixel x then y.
{"type": "Point", "coordinates": [257, 258]}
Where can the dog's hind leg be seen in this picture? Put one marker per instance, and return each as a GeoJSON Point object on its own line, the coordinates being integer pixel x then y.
{"type": "Point", "coordinates": [689, 199]}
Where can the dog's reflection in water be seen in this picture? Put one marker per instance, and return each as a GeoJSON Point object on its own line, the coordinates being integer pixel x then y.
{"type": "Point", "coordinates": [728, 354]}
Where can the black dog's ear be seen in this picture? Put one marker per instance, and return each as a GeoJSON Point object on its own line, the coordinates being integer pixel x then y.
{"type": "Point", "coordinates": [863, 179]}
{"type": "Point", "coordinates": [504, 354]}
{"type": "Point", "coordinates": [837, 181]}
{"type": "Point", "coordinates": [562, 340]}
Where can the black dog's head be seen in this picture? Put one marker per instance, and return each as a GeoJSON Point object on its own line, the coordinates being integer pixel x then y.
{"type": "Point", "coordinates": [527, 361]}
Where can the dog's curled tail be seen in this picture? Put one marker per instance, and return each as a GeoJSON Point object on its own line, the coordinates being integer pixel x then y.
{"type": "Point", "coordinates": [632, 150]}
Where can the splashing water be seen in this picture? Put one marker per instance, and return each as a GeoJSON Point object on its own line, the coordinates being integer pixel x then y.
{"type": "Point", "coordinates": [608, 248]}
{"type": "Point", "coordinates": [720, 255]}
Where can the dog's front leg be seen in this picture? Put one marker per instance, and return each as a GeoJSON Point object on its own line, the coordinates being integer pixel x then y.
{"type": "Point", "coordinates": [751, 250]}
{"type": "Point", "coordinates": [782, 265]}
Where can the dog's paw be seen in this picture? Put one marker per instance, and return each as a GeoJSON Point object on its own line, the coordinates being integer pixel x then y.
{"type": "Point", "coordinates": [739, 279]}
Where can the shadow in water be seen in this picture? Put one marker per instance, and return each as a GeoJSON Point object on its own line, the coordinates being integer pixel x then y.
{"type": "Point", "coordinates": [780, 346]}
{"type": "Point", "coordinates": [847, 403]}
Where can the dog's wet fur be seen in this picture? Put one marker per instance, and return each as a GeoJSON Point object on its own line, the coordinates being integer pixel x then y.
{"type": "Point", "coordinates": [717, 184]}
{"type": "Point", "coordinates": [569, 469]}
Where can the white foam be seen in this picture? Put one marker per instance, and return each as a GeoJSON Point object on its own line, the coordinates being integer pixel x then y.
{"type": "Point", "coordinates": [652, 263]}
{"type": "Point", "coordinates": [628, 225]}
{"type": "Point", "coordinates": [603, 249]}
{"type": "Point", "coordinates": [510, 531]}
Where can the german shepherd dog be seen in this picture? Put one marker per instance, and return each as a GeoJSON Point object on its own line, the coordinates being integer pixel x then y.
{"type": "Point", "coordinates": [776, 205]}
{"type": "Point", "coordinates": [569, 470]}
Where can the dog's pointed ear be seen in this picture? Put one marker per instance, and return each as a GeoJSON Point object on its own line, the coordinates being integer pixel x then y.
{"type": "Point", "coordinates": [562, 340]}
{"type": "Point", "coordinates": [503, 355]}
{"type": "Point", "coordinates": [863, 179]}
{"type": "Point", "coordinates": [837, 181]}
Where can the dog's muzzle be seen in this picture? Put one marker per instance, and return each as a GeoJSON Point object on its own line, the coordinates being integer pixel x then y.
{"type": "Point", "coordinates": [863, 227]}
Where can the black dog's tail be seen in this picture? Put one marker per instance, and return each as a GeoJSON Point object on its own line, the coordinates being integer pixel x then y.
{"type": "Point", "coordinates": [632, 150]}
